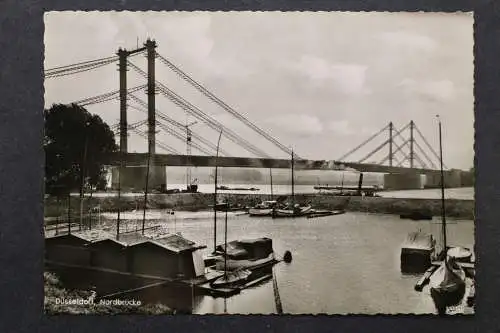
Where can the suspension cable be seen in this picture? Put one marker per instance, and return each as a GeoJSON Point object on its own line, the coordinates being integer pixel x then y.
{"type": "Point", "coordinates": [363, 143]}
{"type": "Point", "coordinates": [185, 105]}
{"type": "Point", "coordinates": [226, 107]}
{"type": "Point", "coordinates": [177, 124]}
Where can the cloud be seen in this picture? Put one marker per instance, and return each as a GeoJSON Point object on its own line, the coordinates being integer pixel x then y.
{"type": "Point", "coordinates": [297, 124]}
{"type": "Point", "coordinates": [407, 40]}
{"type": "Point", "coordinates": [348, 78]}
{"type": "Point", "coordinates": [341, 127]}
{"type": "Point", "coordinates": [443, 90]}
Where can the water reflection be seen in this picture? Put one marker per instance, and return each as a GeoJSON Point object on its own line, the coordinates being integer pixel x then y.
{"type": "Point", "coordinates": [341, 264]}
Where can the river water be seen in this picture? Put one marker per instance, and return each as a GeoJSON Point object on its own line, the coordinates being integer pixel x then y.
{"type": "Point", "coordinates": [464, 193]}
{"type": "Point", "coordinates": [341, 264]}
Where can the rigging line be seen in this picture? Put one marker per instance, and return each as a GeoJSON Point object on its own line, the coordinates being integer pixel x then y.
{"type": "Point", "coordinates": [374, 151]}
{"type": "Point", "coordinates": [363, 143]}
{"type": "Point", "coordinates": [428, 145]}
{"type": "Point", "coordinates": [425, 155]}
{"type": "Point", "coordinates": [218, 101]}
{"type": "Point", "coordinates": [75, 71]}
{"type": "Point", "coordinates": [175, 123]}
{"type": "Point", "coordinates": [185, 105]}
{"type": "Point", "coordinates": [179, 125]}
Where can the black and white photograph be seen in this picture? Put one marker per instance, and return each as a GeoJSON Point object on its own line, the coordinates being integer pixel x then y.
{"type": "Point", "coordinates": [259, 163]}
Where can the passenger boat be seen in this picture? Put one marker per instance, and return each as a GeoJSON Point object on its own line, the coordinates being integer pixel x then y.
{"type": "Point", "coordinates": [264, 208]}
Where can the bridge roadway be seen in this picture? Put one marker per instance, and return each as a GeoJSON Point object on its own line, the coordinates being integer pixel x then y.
{"type": "Point", "coordinates": [140, 159]}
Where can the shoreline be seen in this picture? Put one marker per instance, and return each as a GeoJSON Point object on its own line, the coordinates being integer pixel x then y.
{"type": "Point", "coordinates": [455, 208]}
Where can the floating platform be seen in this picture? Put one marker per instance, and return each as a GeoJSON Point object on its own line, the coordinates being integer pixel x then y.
{"type": "Point", "coordinates": [230, 291]}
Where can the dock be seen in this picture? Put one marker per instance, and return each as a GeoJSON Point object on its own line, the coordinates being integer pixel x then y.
{"type": "Point", "coordinates": [230, 291]}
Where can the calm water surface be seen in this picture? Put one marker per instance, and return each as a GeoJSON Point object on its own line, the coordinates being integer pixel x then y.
{"type": "Point", "coordinates": [341, 264]}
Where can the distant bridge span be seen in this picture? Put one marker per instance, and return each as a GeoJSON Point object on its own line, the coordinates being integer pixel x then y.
{"type": "Point", "coordinates": [140, 159]}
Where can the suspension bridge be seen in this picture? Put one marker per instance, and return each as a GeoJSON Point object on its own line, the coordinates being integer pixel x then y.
{"type": "Point", "coordinates": [405, 152]}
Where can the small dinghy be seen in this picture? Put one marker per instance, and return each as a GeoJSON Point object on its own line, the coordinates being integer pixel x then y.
{"type": "Point", "coordinates": [447, 285]}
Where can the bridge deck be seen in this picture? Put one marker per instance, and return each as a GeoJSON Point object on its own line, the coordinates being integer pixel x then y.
{"type": "Point", "coordinates": [140, 159]}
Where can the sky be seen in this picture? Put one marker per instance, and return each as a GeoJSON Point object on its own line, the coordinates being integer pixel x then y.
{"type": "Point", "coordinates": [319, 82]}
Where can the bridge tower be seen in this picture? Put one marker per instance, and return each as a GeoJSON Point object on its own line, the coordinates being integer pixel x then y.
{"type": "Point", "coordinates": [122, 67]}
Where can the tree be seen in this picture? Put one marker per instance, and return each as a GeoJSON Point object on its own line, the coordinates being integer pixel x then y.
{"type": "Point", "coordinates": [75, 142]}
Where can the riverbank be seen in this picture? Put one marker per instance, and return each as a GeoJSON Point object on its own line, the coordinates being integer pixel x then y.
{"type": "Point", "coordinates": [56, 295]}
{"type": "Point", "coordinates": [463, 209]}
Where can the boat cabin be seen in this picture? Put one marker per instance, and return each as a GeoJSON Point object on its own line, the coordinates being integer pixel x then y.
{"type": "Point", "coordinates": [417, 252]}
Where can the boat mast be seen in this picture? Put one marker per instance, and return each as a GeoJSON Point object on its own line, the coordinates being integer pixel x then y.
{"type": "Point", "coordinates": [120, 170]}
{"type": "Point", "coordinates": [225, 243]}
{"type": "Point", "coordinates": [146, 192]}
{"type": "Point", "coordinates": [215, 193]}
{"type": "Point", "coordinates": [271, 177]}
{"type": "Point", "coordinates": [293, 184]}
{"type": "Point", "coordinates": [443, 209]}
{"type": "Point", "coordinates": [342, 184]}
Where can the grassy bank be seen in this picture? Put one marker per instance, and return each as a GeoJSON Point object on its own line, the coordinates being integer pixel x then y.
{"type": "Point", "coordinates": [54, 291]}
{"type": "Point", "coordinates": [203, 201]}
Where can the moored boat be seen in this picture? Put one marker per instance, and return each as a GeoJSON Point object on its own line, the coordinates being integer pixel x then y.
{"type": "Point", "coordinates": [447, 285]}
{"type": "Point", "coordinates": [295, 211]}
{"type": "Point", "coordinates": [320, 213]}
{"type": "Point", "coordinates": [231, 279]}
{"type": "Point", "coordinates": [417, 252]}
{"type": "Point", "coordinates": [264, 208]}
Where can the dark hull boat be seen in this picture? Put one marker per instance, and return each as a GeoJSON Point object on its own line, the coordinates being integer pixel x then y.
{"type": "Point", "coordinates": [243, 261]}
{"type": "Point", "coordinates": [416, 216]}
{"type": "Point", "coordinates": [417, 252]}
{"type": "Point", "coordinates": [447, 285]}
